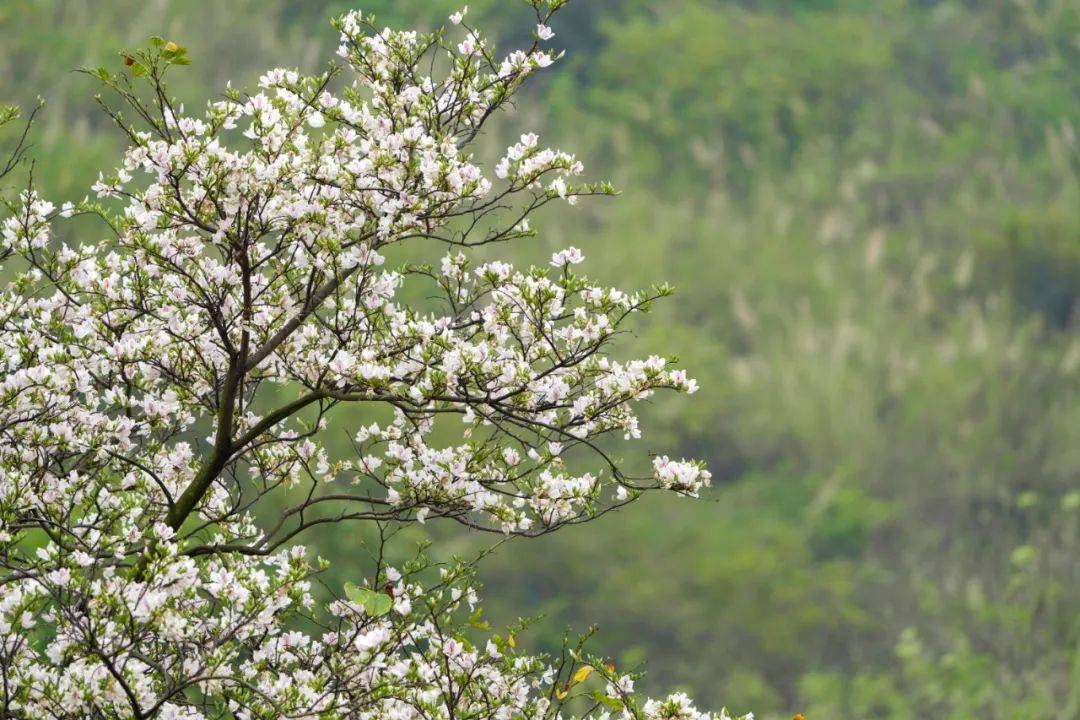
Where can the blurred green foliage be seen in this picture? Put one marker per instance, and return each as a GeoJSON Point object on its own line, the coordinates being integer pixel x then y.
{"type": "Point", "coordinates": [871, 210]}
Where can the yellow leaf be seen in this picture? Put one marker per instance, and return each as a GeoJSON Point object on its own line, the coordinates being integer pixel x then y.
{"type": "Point", "coordinates": [583, 673]}
{"type": "Point", "coordinates": [171, 46]}
{"type": "Point", "coordinates": [561, 694]}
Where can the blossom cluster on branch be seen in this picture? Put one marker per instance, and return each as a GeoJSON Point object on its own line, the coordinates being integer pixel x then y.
{"type": "Point", "coordinates": [162, 383]}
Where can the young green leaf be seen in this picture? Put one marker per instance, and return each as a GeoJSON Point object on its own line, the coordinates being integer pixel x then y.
{"type": "Point", "coordinates": [375, 604]}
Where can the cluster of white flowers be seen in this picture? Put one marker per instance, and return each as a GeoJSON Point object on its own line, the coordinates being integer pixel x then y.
{"type": "Point", "coordinates": [159, 383]}
{"type": "Point", "coordinates": [685, 476]}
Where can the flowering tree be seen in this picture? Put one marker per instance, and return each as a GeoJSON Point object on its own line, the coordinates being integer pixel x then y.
{"type": "Point", "coordinates": [166, 390]}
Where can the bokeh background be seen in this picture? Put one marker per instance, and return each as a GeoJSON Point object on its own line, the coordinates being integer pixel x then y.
{"type": "Point", "coordinates": [871, 212]}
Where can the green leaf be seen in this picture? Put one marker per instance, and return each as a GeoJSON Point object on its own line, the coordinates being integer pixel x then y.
{"type": "Point", "coordinates": [353, 593]}
{"type": "Point", "coordinates": [476, 622]}
{"type": "Point", "coordinates": [605, 699]}
{"type": "Point", "coordinates": [374, 603]}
